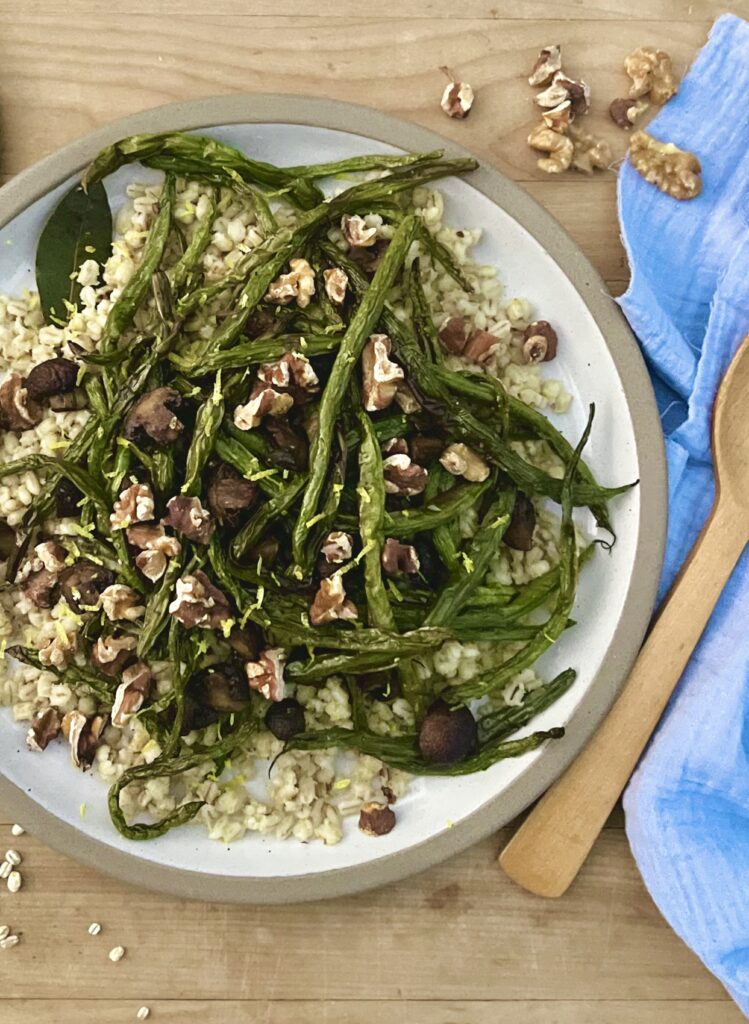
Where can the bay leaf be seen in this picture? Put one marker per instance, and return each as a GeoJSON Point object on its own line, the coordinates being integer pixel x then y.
{"type": "Point", "coordinates": [78, 229]}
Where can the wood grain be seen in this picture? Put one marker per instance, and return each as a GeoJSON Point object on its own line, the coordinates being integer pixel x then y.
{"type": "Point", "coordinates": [458, 944]}
{"type": "Point", "coordinates": [232, 1011]}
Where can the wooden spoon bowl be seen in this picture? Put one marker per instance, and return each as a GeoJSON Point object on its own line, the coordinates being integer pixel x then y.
{"type": "Point", "coordinates": [550, 847]}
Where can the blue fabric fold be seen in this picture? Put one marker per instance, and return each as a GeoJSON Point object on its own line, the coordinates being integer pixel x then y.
{"type": "Point", "coordinates": [687, 806]}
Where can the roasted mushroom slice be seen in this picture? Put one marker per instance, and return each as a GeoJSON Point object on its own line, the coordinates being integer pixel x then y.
{"type": "Point", "coordinates": [52, 377]}
{"type": "Point", "coordinates": [519, 534]}
{"type": "Point", "coordinates": [154, 417]}
{"type": "Point", "coordinates": [83, 583]}
{"type": "Point", "coordinates": [223, 687]}
{"type": "Point", "coordinates": [229, 495]}
{"type": "Point", "coordinates": [290, 448]}
{"type": "Point", "coordinates": [285, 718]}
{"type": "Point", "coordinates": [447, 734]}
{"type": "Point", "coordinates": [188, 518]}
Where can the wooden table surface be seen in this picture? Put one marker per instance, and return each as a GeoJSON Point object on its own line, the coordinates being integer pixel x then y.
{"type": "Point", "coordinates": [458, 944]}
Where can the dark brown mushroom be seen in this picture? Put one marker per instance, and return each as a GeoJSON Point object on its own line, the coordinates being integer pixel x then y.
{"type": "Point", "coordinates": [267, 549]}
{"type": "Point", "coordinates": [154, 416]}
{"type": "Point", "coordinates": [452, 335]}
{"type": "Point", "coordinates": [52, 377]}
{"type": "Point", "coordinates": [247, 641]}
{"type": "Point", "coordinates": [188, 518]}
{"type": "Point", "coordinates": [290, 447]}
{"type": "Point", "coordinates": [376, 819]}
{"type": "Point", "coordinates": [229, 495]}
{"type": "Point", "coordinates": [67, 497]}
{"type": "Point", "coordinates": [519, 534]}
{"type": "Point", "coordinates": [285, 718]}
{"type": "Point", "coordinates": [7, 541]}
{"type": "Point", "coordinates": [45, 726]}
{"type": "Point", "coordinates": [17, 410]}
{"type": "Point", "coordinates": [39, 587]}
{"type": "Point", "coordinates": [71, 401]}
{"type": "Point", "coordinates": [368, 258]}
{"type": "Point", "coordinates": [223, 687]}
{"type": "Point", "coordinates": [82, 584]}
{"type": "Point", "coordinates": [380, 686]}
{"type": "Point", "coordinates": [426, 450]}
{"type": "Point", "coordinates": [448, 734]}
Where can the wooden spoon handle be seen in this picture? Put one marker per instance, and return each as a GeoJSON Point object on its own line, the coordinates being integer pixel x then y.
{"type": "Point", "coordinates": [549, 848]}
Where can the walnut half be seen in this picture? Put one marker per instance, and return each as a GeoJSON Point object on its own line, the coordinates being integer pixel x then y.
{"type": "Point", "coordinates": [651, 72]}
{"type": "Point", "coordinates": [674, 171]}
{"type": "Point", "coordinates": [559, 148]}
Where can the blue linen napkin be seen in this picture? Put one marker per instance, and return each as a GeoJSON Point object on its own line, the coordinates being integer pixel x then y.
{"type": "Point", "coordinates": [687, 806]}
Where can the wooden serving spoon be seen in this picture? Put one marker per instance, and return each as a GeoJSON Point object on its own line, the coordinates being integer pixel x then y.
{"type": "Point", "coordinates": [549, 848]}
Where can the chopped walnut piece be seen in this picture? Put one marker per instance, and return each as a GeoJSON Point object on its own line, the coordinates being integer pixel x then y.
{"type": "Point", "coordinates": [83, 735]}
{"type": "Point", "coordinates": [403, 476]}
{"type": "Point", "coordinates": [562, 89]}
{"type": "Point", "coordinates": [38, 579]}
{"type": "Point", "coordinates": [51, 555]}
{"type": "Point", "coordinates": [460, 460]}
{"type": "Point", "coordinates": [651, 72]}
{"type": "Point", "coordinates": [356, 231]}
{"type": "Point", "coordinates": [624, 112]}
{"type": "Point", "coordinates": [134, 505]}
{"type": "Point", "coordinates": [39, 587]}
{"type": "Point", "coordinates": [395, 446]}
{"type": "Point", "coordinates": [558, 146]}
{"type": "Point", "coordinates": [266, 674]}
{"type": "Point", "coordinates": [331, 603]}
{"type": "Point", "coordinates": [457, 98]}
{"type": "Point", "coordinates": [45, 726]}
{"type": "Point", "coordinates": [380, 375]}
{"type": "Point", "coordinates": [558, 118]}
{"type": "Point", "coordinates": [376, 819]}
{"type": "Point", "coordinates": [292, 370]}
{"type": "Point", "coordinates": [17, 410]}
{"type": "Point", "coordinates": [187, 517]}
{"type": "Point", "coordinates": [197, 602]}
{"type": "Point", "coordinates": [540, 342]}
{"type": "Point", "coordinates": [132, 691]}
{"type": "Point", "coordinates": [264, 401]}
{"type": "Point", "coordinates": [121, 602]}
{"type": "Point", "coordinates": [337, 547]}
{"type": "Point", "coordinates": [452, 335]}
{"type": "Point", "coordinates": [57, 651]}
{"type": "Point", "coordinates": [298, 284]}
{"type": "Point", "coordinates": [589, 152]}
{"type": "Point", "coordinates": [546, 65]}
{"type": "Point", "coordinates": [155, 549]}
{"type": "Point", "coordinates": [480, 346]}
{"type": "Point", "coordinates": [336, 283]}
{"type": "Point", "coordinates": [399, 559]}
{"type": "Point", "coordinates": [110, 654]}
{"type": "Point", "coordinates": [405, 399]}
{"type": "Point", "coordinates": [673, 170]}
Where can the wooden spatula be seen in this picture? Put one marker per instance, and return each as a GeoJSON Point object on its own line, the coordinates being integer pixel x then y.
{"type": "Point", "coordinates": [549, 848]}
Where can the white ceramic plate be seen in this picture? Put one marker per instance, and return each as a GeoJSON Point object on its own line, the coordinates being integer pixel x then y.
{"type": "Point", "coordinates": [598, 361]}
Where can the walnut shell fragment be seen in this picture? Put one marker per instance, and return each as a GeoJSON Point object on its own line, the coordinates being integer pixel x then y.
{"type": "Point", "coordinates": [674, 171]}
{"type": "Point", "coordinates": [546, 65]}
{"type": "Point", "coordinates": [457, 98]}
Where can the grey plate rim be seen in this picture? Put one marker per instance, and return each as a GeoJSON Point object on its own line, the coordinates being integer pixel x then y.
{"type": "Point", "coordinates": [33, 183]}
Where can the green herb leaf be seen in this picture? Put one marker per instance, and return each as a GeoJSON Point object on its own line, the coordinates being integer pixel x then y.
{"type": "Point", "coordinates": [79, 228]}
